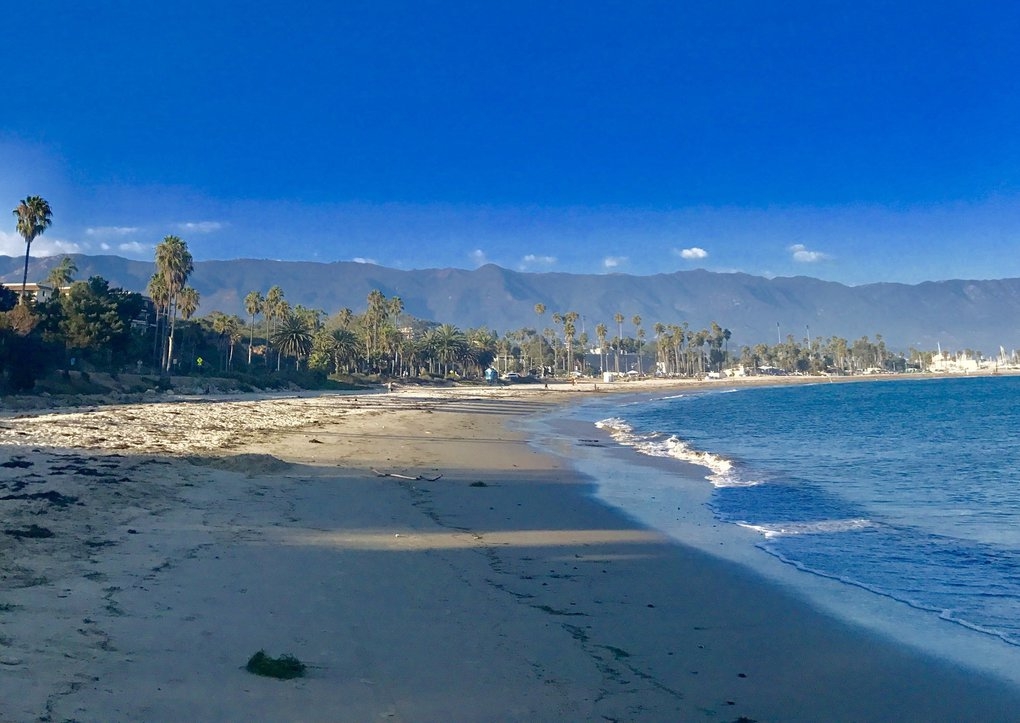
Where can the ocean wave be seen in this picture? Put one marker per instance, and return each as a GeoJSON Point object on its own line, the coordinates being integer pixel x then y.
{"type": "Point", "coordinates": [955, 617]}
{"type": "Point", "coordinates": [821, 527]}
{"type": "Point", "coordinates": [656, 444]}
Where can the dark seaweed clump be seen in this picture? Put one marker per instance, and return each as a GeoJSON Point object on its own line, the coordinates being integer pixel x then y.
{"type": "Point", "coordinates": [284, 668]}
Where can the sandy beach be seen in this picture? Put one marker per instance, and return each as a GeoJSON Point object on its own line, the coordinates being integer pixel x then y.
{"type": "Point", "coordinates": [419, 555]}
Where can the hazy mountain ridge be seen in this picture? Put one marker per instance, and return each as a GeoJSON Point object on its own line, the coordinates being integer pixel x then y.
{"type": "Point", "coordinates": [956, 314]}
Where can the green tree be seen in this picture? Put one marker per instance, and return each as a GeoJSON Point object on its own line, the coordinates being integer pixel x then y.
{"type": "Point", "coordinates": [640, 335]}
{"type": "Point", "coordinates": [569, 331]}
{"type": "Point", "coordinates": [253, 304]}
{"type": "Point", "coordinates": [336, 347]}
{"type": "Point", "coordinates": [448, 345]}
{"type": "Point", "coordinates": [8, 299]}
{"type": "Point", "coordinates": [61, 274]}
{"type": "Point", "coordinates": [96, 322]}
{"type": "Point", "coordinates": [482, 343]}
{"type": "Point", "coordinates": [174, 265]}
{"type": "Point", "coordinates": [293, 337]}
{"type": "Point", "coordinates": [228, 330]}
{"type": "Point", "coordinates": [187, 302]}
{"type": "Point", "coordinates": [618, 318]}
{"type": "Point", "coordinates": [272, 311]}
{"type": "Point", "coordinates": [34, 217]}
{"type": "Point", "coordinates": [601, 332]}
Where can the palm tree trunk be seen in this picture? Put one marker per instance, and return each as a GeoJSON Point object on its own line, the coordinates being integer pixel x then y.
{"type": "Point", "coordinates": [24, 278]}
{"type": "Point", "coordinates": [251, 339]}
{"type": "Point", "coordinates": [172, 312]}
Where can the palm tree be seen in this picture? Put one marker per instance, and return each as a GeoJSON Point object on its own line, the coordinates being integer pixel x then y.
{"type": "Point", "coordinates": [483, 345]}
{"type": "Point", "coordinates": [61, 274]}
{"type": "Point", "coordinates": [395, 307]}
{"type": "Point", "coordinates": [187, 302]}
{"type": "Point", "coordinates": [375, 315]}
{"type": "Point", "coordinates": [253, 304]}
{"type": "Point", "coordinates": [34, 217]}
{"type": "Point", "coordinates": [339, 346]}
{"type": "Point", "coordinates": [229, 330]}
{"type": "Point", "coordinates": [346, 346]}
{"type": "Point", "coordinates": [659, 329]}
{"type": "Point", "coordinates": [161, 300]}
{"type": "Point", "coordinates": [271, 308]}
{"type": "Point", "coordinates": [569, 329]}
{"type": "Point", "coordinates": [173, 263]}
{"type": "Point", "coordinates": [448, 344]}
{"type": "Point", "coordinates": [618, 318]}
{"type": "Point", "coordinates": [601, 331]}
{"type": "Point", "coordinates": [293, 337]}
{"type": "Point", "coordinates": [557, 319]}
{"type": "Point", "coordinates": [639, 333]}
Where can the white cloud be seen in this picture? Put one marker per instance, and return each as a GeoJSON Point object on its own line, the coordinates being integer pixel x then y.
{"type": "Point", "coordinates": [200, 226]}
{"type": "Point", "coordinates": [362, 260]}
{"type": "Point", "coordinates": [801, 254]}
{"type": "Point", "coordinates": [478, 257]}
{"type": "Point", "coordinates": [532, 260]}
{"type": "Point", "coordinates": [11, 244]}
{"type": "Point", "coordinates": [611, 262]}
{"type": "Point", "coordinates": [133, 247]}
{"type": "Point", "coordinates": [111, 231]}
{"type": "Point", "coordinates": [693, 253]}
{"type": "Point", "coordinates": [54, 247]}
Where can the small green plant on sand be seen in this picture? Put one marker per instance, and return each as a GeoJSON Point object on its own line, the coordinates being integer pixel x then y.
{"type": "Point", "coordinates": [285, 667]}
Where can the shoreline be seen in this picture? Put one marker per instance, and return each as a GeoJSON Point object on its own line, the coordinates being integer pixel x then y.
{"type": "Point", "coordinates": [500, 589]}
{"type": "Point", "coordinates": [648, 487]}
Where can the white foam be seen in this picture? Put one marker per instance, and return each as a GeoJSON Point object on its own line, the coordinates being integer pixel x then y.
{"type": "Point", "coordinates": [820, 527]}
{"type": "Point", "coordinates": [723, 473]}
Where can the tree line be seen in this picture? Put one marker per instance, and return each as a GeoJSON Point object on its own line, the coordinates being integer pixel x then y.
{"type": "Point", "coordinates": [91, 325]}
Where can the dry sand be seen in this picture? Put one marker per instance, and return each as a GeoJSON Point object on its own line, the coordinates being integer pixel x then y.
{"type": "Point", "coordinates": [151, 549]}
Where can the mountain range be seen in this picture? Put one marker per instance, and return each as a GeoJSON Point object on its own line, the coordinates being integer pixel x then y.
{"type": "Point", "coordinates": [957, 314]}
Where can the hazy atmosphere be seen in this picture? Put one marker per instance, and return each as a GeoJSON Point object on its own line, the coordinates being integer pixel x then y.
{"type": "Point", "coordinates": [853, 142]}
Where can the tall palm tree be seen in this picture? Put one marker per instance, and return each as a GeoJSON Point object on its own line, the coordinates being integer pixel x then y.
{"type": "Point", "coordinates": [187, 302]}
{"type": "Point", "coordinates": [253, 304]}
{"type": "Point", "coordinates": [601, 331]}
{"type": "Point", "coordinates": [228, 329]}
{"type": "Point", "coordinates": [618, 318]}
{"type": "Point", "coordinates": [569, 330]}
{"type": "Point", "coordinates": [638, 332]}
{"type": "Point", "coordinates": [161, 300]}
{"type": "Point", "coordinates": [271, 307]}
{"type": "Point", "coordinates": [174, 263]}
{"type": "Point", "coordinates": [395, 307]}
{"type": "Point", "coordinates": [34, 217]}
{"type": "Point", "coordinates": [375, 315]}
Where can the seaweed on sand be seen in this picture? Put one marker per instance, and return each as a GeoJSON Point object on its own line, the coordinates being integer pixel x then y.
{"type": "Point", "coordinates": [285, 667]}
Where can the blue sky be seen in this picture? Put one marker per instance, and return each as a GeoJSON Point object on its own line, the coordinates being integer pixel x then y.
{"type": "Point", "coordinates": [852, 141]}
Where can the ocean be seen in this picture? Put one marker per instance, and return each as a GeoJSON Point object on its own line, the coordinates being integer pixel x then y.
{"type": "Point", "coordinates": [893, 503]}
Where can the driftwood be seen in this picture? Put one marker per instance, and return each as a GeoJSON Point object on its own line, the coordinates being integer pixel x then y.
{"type": "Point", "coordinates": [417, 478]}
